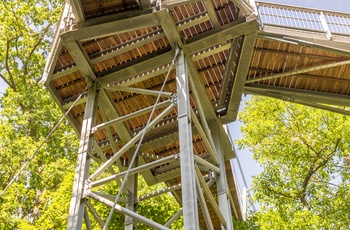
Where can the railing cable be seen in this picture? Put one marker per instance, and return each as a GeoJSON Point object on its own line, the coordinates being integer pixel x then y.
{"type": "Point", "coordinates": [139, 144]}
{"type": "Point", "coordinates": [42, 143]}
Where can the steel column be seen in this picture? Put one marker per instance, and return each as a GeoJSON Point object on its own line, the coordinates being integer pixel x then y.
{"type": "Point", "coordinates": [221, 180]}
{"type": "Point", "coordinates": [77, 205]}
{"type": "Point", "coordinates": [131, 187]}
{"type": "Point", "coordinates": [189, 197]}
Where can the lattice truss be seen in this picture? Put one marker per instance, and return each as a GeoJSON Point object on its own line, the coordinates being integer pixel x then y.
{"type": "Point", "coordinates": [151, 86]}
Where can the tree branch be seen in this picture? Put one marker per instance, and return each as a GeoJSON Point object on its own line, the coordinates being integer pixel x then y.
{"type": "Point", "coordinates": [280, 193]}
{"type": "Point", "coordinates": [4, 79]}
{"type": "Point", "coordinates": [25, 64]}
{"type": "Point", "coordinates": [324, 182]}
{"type": "Point", "coordinates": [311, 172]}
{"type": "Point", "coordinates": [10, 81]}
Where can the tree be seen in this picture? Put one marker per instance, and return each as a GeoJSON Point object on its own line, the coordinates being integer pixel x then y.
{"type": "Point", "coordinates": [28, 114]}
{"type": "Point", "coordinates": [305, 156]}
{"type": "Point", "coordinates": [40, 196]}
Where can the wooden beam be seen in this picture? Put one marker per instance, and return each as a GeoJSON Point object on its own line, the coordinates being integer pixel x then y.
{"type": "Point", "coordinates": [243, 7]}
{"type": "Point", "coordinates": [146, 75]}
{"type": "Point", "coordinates": [55, 48]}
{"type": "Point", "coordinates": [138, 68]}
{"type": "Point", "coordinates": [209, 51]}
{"type": "Point", "coordinates": [295, 99]}
{"type": "Point", "coordinates": [58, 99]}
{"type": "Point", "coordinates": [199, 92]}
{"type": "Point", "coordinates": [298, 71]}
{"type": "Point", "coordinates": [112, 112]}
{"type": "Point", "coordinates": [113, 27]}
{"type": "Point", "coordinates": [77, 10]}
{"type": "Point", "coordinates": [304, 95]}
{"type": "Point", "coordinates": [202, 100]}
{"type": "Point", "coordinates": [300, 54]}
{"type": "Point", "coordinates": [80, 58]}
{"type": "Point", "coordinates": [64, 72]}
{"type": "Point", "coordinates": [305, 76]}
{"type": "Point", "coordinates": [127, 46]}
{"type": "Point", "coordinates": [212, 13]}
{"type": "Point", "coordinates": [79, 102]}
{"type": "Point", "coordinates": [173, 3]}
{"type": "Point", "coordinates": [146, 4]}
{"type": "Point", "coordinates": [215, 30]}
{"type": "Point", "coordinates": [228, 72]}
{"type": "Point", "coordinates": [113, 18]}
{"type": "Point", "coordinates": [222, 37]}
{"type": "Point", "coordinates": [169, 27]}
{"type": "Point", "coordinates": [192, 22]}
{"type": "Point", "coordinates": [240, 78]}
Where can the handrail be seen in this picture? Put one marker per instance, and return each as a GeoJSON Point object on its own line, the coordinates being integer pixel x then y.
{"type": "Point", "coordinates": [281, 15]}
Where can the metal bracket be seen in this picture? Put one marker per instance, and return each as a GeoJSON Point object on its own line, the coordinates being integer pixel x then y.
{"type": "Point", "coordinates": [87, 188]}
{"type": "Point", "coordinates": [174, 99]}
{"type": "Point", "coordinates": [212, 175]}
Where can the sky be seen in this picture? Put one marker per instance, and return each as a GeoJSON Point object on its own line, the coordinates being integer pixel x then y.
{"type": "Point", "coordinates": [250, 167]}
{"type": "Point", "coordinates": [2, 86]}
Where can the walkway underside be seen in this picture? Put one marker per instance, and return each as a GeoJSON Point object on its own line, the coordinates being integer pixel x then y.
{"type": "Point", "coordinates": [118, 55]}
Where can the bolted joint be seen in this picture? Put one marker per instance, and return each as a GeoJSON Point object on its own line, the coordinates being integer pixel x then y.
{"type": "Point", "coordinates": [91, 81]}
{"type": "Point", "coordinates": [212, 175]}
{"type": "Point", "coordinates": [87, 188]}
{"type": "Point", "coordinates": [173, 99]}
{"type": "Point", "coordinates": [131, 200]}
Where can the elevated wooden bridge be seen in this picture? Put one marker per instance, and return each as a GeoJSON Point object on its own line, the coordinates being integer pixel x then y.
{"type": "Point", "coordinates": [150, 86]}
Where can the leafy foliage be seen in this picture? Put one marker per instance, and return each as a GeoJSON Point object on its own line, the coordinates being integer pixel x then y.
{"type": "Point", "coordinates": [39, 198]}
{"type": "Point", "coordinates": [159, 209]}
{"type": "Point", "coordinates": [305, 156]}
{"type": "Point", "coordinates": [27, 115]}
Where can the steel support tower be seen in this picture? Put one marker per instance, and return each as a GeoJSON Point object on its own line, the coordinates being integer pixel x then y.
{"type": "Point", "coordinates": [151, 86]}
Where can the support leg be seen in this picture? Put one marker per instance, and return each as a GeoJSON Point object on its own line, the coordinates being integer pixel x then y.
{"type": "Point", "coordinates": [221, 182]}
{"type": "Point", "coordinates": [77, 205]}
{"type": "Point", "coordinates": [189, 198]}
{"type": "Point", "coordinates": [131, 188]}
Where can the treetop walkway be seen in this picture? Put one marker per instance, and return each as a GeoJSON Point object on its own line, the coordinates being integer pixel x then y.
{"type": "Point", "coordinates": [149, 87]}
